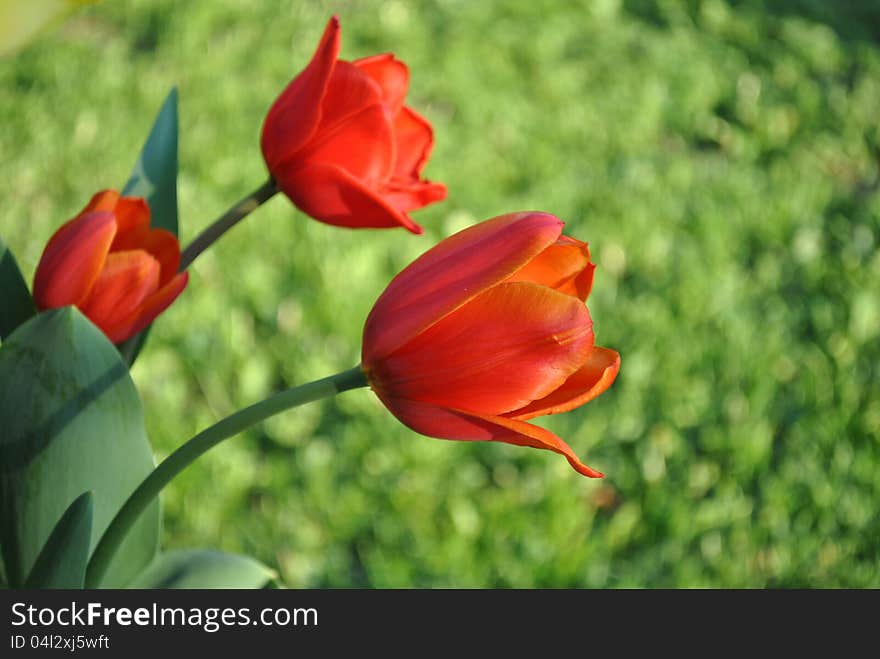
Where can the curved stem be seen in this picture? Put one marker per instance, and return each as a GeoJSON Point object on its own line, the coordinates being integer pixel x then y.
{"type": "Point", "coordinates": [226, 221]}
{"type": "Point", "coordinates": [186, 454]}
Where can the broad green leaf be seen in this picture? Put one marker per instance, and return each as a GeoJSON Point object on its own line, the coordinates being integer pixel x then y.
{"type": "Point", "coordinates": [62, 562]}
{"type": "Point", "coordinates": [155, 173]}
{"type": "Point", "coordinates": [16, 303]}
{"type": "Point", "coordinates": [72, 422]}
{"type": "Point", "coordinates": [155, 178]}
{"type": "Point", "coordinates": [203, 568]}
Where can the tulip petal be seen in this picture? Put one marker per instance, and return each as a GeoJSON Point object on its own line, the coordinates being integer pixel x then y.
{"type": "Point", "coordinates": [521, 433]}
{"type": "Point", "coordinates": [581, 285]}
{"type": "Point", "coordinates": [294, 116]}
{"type": "Point", "coordinates": [361, 144]}
{"type": "Point", "coordinates": [445, 423]}
{"type": "Point", "coordinates": [564, 266]}
{"type": "Point", "coordinates": [158, 302]}
{"type": "Point", "coordinates": [349, 91]}
{"type": "Point", "coordinates": [405, 196]}
{"type": "Point", "coordinates": [450, 274]}
{"type": "Point", "coordinates": [592, 379]}
{"type": "Point", "coordinates": [390, 74]}
{"type": "Point", "coordinates": [126, 280]}
{"type": "Point", "coordinates": [105, 200]}
{"type": "Point", "coordinates": [163, 246]}
{"type": "Point", "coordinates": [414, 139]}
{"type": "Point", "coordinates": [132, 223]}
{"type": "Point", "coordinates": [510, 345]}
{"type": "Point", "coordinates": [72, 260]}
{"type": "Point", "coordinates": [332, 195]}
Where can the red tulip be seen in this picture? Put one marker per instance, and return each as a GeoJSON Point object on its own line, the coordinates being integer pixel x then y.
{"type": "Point", "coordinates": [487, 330]}
{"type": "Point", "coordinates": [340, 142]}
{"type": "Point", "coordinates": [109, 263]}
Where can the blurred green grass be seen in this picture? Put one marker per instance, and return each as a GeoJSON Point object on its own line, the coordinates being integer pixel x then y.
{"type": "Point", "coordinates": [720, 157]}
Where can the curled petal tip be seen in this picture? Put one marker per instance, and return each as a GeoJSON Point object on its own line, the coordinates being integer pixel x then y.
{"type": "Point", "coordinates": [332, 29]}
{"type": "Point", "coordinates": [584, 470]}
{"type": "Point", "coordinates": [333, 195]}
{"type": "Point", "coordinates": [332, 33]}
{"type": "Point", "coordinates": [590, 381]}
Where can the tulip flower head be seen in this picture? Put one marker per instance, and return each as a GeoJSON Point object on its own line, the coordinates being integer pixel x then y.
{"type": "Point", "coordinates": [487, 330]}
{"type": "Point", "coordinates": [341, 144]}
{"type": "Point", "coordinates": [109, 263]}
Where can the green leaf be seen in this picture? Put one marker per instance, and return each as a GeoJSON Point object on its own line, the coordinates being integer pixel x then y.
{"type": "Point", "coordinates": [131, 348]}
{"type": "Point", "coordinates": [155, 178]}
{"type": "Point", "coordinates": [72, 422]}
{"type": "Point", "coordinates": [155, 173]}
{"type": "Point", "coordinates": [203, 568]}
{"type": "Point", "coordinates": [16, 303]}
{"type": "Point", "coordinates": [62, 562]}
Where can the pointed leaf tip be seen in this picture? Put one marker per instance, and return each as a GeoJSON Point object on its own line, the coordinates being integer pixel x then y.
{"type": "Point", "coordinates": [16, 303]}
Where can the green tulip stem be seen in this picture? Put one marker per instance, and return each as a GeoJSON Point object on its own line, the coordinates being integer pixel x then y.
{"type": "Point", "coordinates": [226, 221]}
{"type": "Point", "coordinates": [208, 438]}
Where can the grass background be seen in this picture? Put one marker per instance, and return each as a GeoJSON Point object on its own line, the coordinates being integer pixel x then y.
{"type": "Point", "coordinates": [720, 157]}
